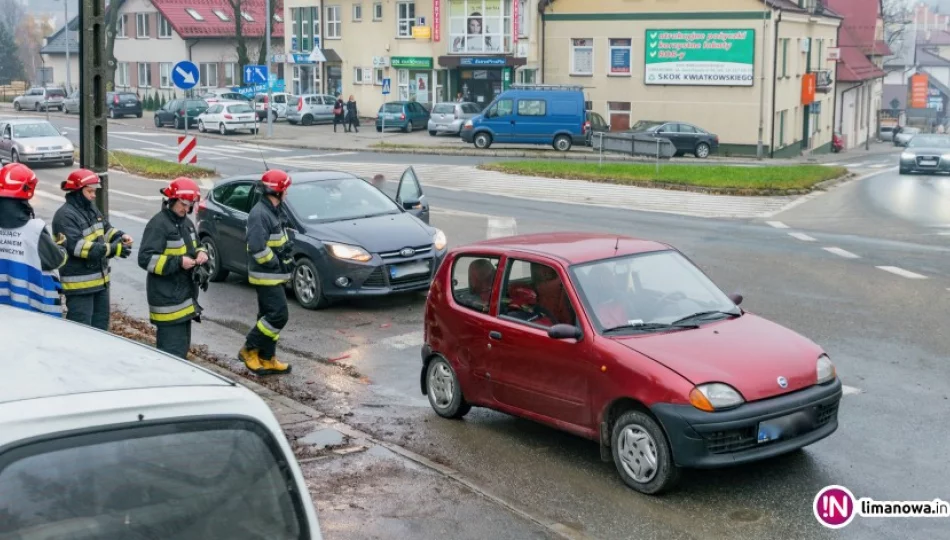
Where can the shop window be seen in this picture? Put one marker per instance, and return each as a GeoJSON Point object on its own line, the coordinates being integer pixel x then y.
{"type": "Point", "coordinates": [582, 56]}
{"type": "Point", "coordinates": [403, 84]}
{"type": "Point", "coordinates": [619, 53]}
{"type": "Point", "coordinates": [405, 18]}
{"type": "Point", "coordinates": [480, 26]}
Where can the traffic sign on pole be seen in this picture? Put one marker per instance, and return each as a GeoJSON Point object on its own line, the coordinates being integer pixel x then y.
{"type": "Point", "coordinates": [387, 86]}
{"type": "Point", "coordinates": [255, 74]}
{"type": "Point", "coordinates": [185, 75]}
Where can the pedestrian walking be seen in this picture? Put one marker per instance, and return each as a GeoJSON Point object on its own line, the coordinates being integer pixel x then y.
{"type": "Point", "coordinates": [28, 254]}
{"type": "Point", "coordinates": [338, 112]}
{"type": "Point", "coordinates": [176, 267]}
{"type": "Point", "coordinates": [352, 116]}
{"type": "Point", "coordinates": [270, 266]}
{"type": "Point", "coordinates": [90, 242]}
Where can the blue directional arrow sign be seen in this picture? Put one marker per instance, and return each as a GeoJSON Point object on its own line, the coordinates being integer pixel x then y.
{"type": "Point", "coordinates": [255, 74]}
{"type": "Point", "coordinates": [387, 86]}
{"type": "Point", "coordinates": [185, 75]}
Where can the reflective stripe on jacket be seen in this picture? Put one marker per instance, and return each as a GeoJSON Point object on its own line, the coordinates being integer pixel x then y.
{"type": "Point", "coordinates": [266, 240]}
{"type": "Point", "coordinates": [23, 282]}
{"type": "Point", "coordinates": [170, 289]}
{"type": "Point", "coordinates": [88, 240]}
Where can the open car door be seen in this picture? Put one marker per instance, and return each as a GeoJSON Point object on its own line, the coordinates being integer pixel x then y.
{"type": "Point", "coordinates": [409, 195]}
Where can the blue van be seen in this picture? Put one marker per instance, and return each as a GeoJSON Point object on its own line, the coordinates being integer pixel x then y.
{"type": "Point", "coordinates": [531, 114]}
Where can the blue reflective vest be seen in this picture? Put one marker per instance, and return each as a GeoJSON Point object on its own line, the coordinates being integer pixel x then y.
{"type": "Point", "coordinates": [23, 283]}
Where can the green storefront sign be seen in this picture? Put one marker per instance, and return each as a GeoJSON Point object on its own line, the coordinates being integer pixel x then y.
{"type": "Point", "coordinates": [704, 57]}
{"type": "Point", "coordinates": [411, 62]}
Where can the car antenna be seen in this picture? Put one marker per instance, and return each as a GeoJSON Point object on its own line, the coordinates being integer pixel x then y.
{"type": "Point", "coordinates": [258, 145]}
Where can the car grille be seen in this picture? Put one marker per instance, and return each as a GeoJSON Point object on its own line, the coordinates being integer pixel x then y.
{"type": "Point", "coordinates": [379, 279]}
{"type": "Point", "coordinates": [416, 251]}
{"type": "Point", "coordinates": [375, 280]}
{"type": "Point", "coordinates": [733, 440]}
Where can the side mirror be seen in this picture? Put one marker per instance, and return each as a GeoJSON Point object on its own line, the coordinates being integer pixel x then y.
{"type": "Point", "coordinates": [736, 298]}
{"type": "Point", "coordinates": [564, 331]}
{"type": "Point", "coordinates": [410, 205]}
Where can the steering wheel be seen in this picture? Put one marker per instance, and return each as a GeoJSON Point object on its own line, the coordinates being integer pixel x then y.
{"type": "Point", "coordinates": [538, 312]}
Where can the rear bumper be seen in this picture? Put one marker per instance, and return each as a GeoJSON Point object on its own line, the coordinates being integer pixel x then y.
{"type": "Point", "coordinates": [445, 127]}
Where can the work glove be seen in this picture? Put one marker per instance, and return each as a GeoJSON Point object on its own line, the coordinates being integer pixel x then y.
{"type": "Point", "coordinates": [201, 276]}
{"type": "Point", "coordinates": [119, 250]}
{"type": "Point", "coordinates": [60, 239]}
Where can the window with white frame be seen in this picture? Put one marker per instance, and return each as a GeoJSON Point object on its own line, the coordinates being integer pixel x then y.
{"type": "Point", "coordinates": [480, 26]}
{"type": "Point", "coordinates": [208, 75]}
{"type": "Point", "coordinates": [378, 76]}
{"type": "Point", "coordinates": [361, 75]}
{"type": "Point", "coordinates": [221, 15]}
{"type": "Point", "coordinates": [405, 19]}
{"type": "Point", "coordinates": [619, 55]}
{"type": "Point", "coordinates": [378, 11]}
{"type": "Point", "coordinates": [141, 25]}
{"type": "Point", "coordinates": [121, 25]}
{"type": "Point", "coordinates": [145, 75]}
{"type": "Point", "coordinates": [164, 27]}
{"type": "Point", "coordinates": [334, 23]}
{"type": "Point", "coordinates": [122, 75]}
{"type": "Point", "coordinates": [403, 81]}
{"type": "Point", "coordinates": [165, 75]}
{"type": "Point", "coordinates": [582, 56]}
{"type": "Point", "coordinates": [232, 75]}
{"type": "Point", "coordinates": [357, 12]}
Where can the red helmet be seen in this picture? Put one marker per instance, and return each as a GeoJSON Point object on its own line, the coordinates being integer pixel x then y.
{"type": "Point", "coordinates": [182, 188]}
{"type": "Point", "coordinates": [17, 181]}
{"type": "Point", "coordinates": [79, 179]}
{"type": "Point", "coordinates": [275, 182]}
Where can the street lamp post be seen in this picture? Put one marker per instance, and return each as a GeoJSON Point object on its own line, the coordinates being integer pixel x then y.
{"type": "Point", "coordinates": [69, 67]}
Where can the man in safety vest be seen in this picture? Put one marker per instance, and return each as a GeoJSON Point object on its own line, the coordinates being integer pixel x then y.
{"type": "Point", "coordinates": [270, 266]}
{"type": "Point", "coordinates": [28, 254]}
{"type": "Point", "coordinates": [90, 242]}
{"type": "Point", "coordinates": [171, 256]}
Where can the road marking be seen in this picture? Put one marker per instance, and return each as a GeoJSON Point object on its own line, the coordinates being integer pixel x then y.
{"type": "Point", "coordinates": [859, 164]}
{"type": "Point", "coordinates": [250, 146]}
{"type": "Point", "coordinates": [943, 233]}
{"type": "Point", "coordinates": [130, 217]}
{"type": "Point", "coordinates": [879, 166]}
{"type": "Point", "coordinates": [499, 227]}
{"type": "Point", "coordinates": [801, 236]}
{"type": "Point", "coordinates": [832, 164]}
{"type": "Point", "coordinates": [320, 156]}
{"type": "Point", "coordinates": [777, 224]}
{"type": "Point", "coordinates": [134, 196]}
{"type": "Point", "coordinates": [145, 153]}
{"type": "Point", "coordinates": [850, 390]}
{"type": "Point", "coordinates": [841, 253]}
{"type": "Point", "coordinates": [901, 272]}
{"type": "Point", "coordinates": [225, 150]}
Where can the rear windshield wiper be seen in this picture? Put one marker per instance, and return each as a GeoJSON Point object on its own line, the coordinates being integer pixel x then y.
{"type": "Point", "coordinates": [645, 327]}
{"type": "Point", "coordinates": [702, 314]}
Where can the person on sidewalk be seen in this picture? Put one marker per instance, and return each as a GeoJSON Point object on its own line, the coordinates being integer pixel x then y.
{"type": "Point", "coordinates": [175, 264]}
{"type": "Point", "coordinates": [90, 242]}
{"type": "Point", "coordinates": [338, 112]}
{"type": "Point", "coordinates": [270, 266]}
{"type": "Point", "coordinates": [352, 116]}
{"type": "Point", "coordinates": [28, 254]}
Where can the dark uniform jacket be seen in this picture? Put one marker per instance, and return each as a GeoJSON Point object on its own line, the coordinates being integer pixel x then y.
{"type": "Point", "coordinates": [90, 241]}
{"type": "Point", "coordinates": [268, 247]}
{"type": "Point", "coordinates": [171, 291]}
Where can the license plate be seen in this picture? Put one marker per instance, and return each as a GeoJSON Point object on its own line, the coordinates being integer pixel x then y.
{"type": "Point", "coordinates": [412, 269]}
{"type": "Point", "coordinates": [928, 162]}
{"type": "Point", "coordinates": [54, 155]}
{"type": "Point", "coordinates": [785, 427]}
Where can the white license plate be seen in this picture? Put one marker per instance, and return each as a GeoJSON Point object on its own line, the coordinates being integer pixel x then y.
{"type": "Point", "coordinates": [928, 162]}
{"type": "Point", "coordinates": [412, 269]}
{"type": "Point", "coordinates": [53, 155]}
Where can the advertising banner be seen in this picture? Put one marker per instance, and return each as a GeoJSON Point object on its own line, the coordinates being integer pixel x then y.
{"type": "Point", "coordinates": [705, 57]}
{"type": "Point", "coordinates": [476, 26]}
{"type": "Point", "coordinates": [620, 56]}
{"type": "Point", "coordinates": [919, 85]}
{"type": "Point", "coordinates": [436, 20]}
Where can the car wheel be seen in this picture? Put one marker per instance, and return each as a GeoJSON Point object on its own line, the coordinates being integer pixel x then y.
{"type": "Point", "coordinates": [201, 126]}
{"type": "Point", "coordinates": [158, 123]}
{"type": "Point", "coordinates": [902, 170]}
{"type": "Point", "coordinates": [178, 123]}
{"type": "Point", "coordinates": [221, 129]}
{"type": "Point", "coordinates": [562, 143]}
{"type": "Point", "coordinates": [307, 120]}
{"type": "Point", "coordinates": [702, 150]}
{"type": "Point", "coordinates": [444, 391]}
{"type": "Point", "coordinates": [14, 157]}
{"type": "Point", "coordinates": [432, 132]}
{"type": "Point", "coordinates": [379, 129]}
{"type": "Point", "coordinates": [307, 285]}
{"type": "Point", "coordinates": [16, 106]}
{"type": "Point", "coordinates": [482, 141]}
{"type": "Point", "coordinates": [36, 106]}
{"type": "Point", "coordinates": [112, 114]}
{"type": "Point", "coordinates": [642, 454]}
{"type": "Point", "coordinates": [69, 163]}
{"type": "Point", "coordinates": [217, 273]}
{"type": "Point", "coordinates": [138, 115]}
{"type": "Point", "coordinates": [273, 117]}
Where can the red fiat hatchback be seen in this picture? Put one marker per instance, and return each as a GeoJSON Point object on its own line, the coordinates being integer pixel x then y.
{"type": "Point", "coordinates": [625, 342]}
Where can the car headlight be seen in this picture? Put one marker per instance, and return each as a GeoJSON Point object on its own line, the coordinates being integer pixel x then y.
{"type": "Point", "coordinates": [907, 155]}
{"type": "Point", "coordinates": [29, 149]}
{"type": "Point", "coordinates": [349, 253]}
{"type": "Point", "coordinates": [715, 396]}
{"type": "Point", "coordinates": [439, 240]}
{"type": "Point", "coordinates": [825, 370]}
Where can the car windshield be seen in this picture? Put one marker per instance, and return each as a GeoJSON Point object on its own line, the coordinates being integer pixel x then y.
{"type": "Point", "coordinates": [337, 200]}
{"type": "Point", "coordinates": [39, 129]}
{"type": "Point", "coordinates": [652, 289]}
{"type": "Point", "coordinates": [238, 109]}
{"type": "Point", "coordinates": [930, 141]}
{"type": "Point", "coordinates": [207, 479]}
{"type": "Point", "coordinates": [392, 108]}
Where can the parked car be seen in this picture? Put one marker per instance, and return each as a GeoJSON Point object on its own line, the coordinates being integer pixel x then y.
{"type": "Point", "coordinates": [554, 116]}
{"type": "Point", "coordinates": [887, 133]}
{"type": "Point", "coordinates": [228, 117]}
{"type": "Point", "coordinates": [282, 101]}
{"type": "Point", "coordinates": [595, 124]}
{"type": "Point", "coordinates": [40, 98]}
{"type": "Point", "coordinates": [31, 140]}
{"type": "Point", "coordinates": [144, 445]}
{"type": "Point", "coordinates": [219, 95]}
{"type": "Point", "coordinates": [905, 135]}
{"type": "Point", "coordinates": [350, 239]}
{"type": "Point", "coordinates": [403, 115]}
{"type": "Point", "coordinates": [174, 112]}
{"type": "Point", "coordinates": [625, 342]}
{"type": "Point", "coordinates": [925, 153]}
{"type": "Point", "coordinates": [687, 138]}
{"type": "Point", "coordinates": [71, 103]}
{"type": "Point", "coordinates": [311, 109]}
{"type": "Point", "coordinates": [123, 104]}
{"type": "Point", "coordinates": [450, 117]}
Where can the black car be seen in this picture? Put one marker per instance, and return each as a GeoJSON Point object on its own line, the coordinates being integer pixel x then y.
{"type": "Point", "coordinates": [350, 238]}
{"type": "Point", "coordinates": [174, 112]}
{"type": "Point", "coordinates": [687, 138]}
{"type": "Point", "coordinates": [122, 104]}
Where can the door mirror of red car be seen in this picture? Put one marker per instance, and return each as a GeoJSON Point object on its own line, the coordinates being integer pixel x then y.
{"type": "Point", "coordinates": [564, 331]}
{"type": "Point", "coordinates": [736, 298]}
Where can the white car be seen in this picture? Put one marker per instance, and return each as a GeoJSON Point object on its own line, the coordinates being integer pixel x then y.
{"type": "Point", "coordinates": [103, 437]}
{"type": "Point", "coordinates": [228, 117]}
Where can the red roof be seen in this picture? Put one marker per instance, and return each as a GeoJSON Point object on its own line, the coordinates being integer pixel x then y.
{"type": "Point", "coordinates": [212, 26]}
{"type": "Point", "coordinates": [857, 39]}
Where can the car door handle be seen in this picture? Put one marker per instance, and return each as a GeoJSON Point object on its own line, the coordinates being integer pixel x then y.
{"type": "Point", "coordinates": [494, 334]}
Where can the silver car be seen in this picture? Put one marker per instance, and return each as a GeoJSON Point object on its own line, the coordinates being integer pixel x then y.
{"type": "Point", "coordinates": [308, 109]}
{"type": "Point", "coordinates": [450, 117]}
{"type": "Point", "coordinates": [71, 104]}
{"type": "Point", "coordinates": [905, 135]}
{"type": "Point", "coordinates": [30, 140]}
{"type": "Point", "coordinates": [40, 98]}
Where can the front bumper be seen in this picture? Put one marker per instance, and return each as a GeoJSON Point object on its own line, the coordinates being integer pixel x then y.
{"type": "Point", "coordinates": [380, 277]}
{"type": "Point", "coordinates": [701, 439]}
{"type": "Point", "coordinates": [929, 163]}
{"type": "Point", "coordinates": [468, 135]}
{"type": "Point", "coordinates": [55, 156]}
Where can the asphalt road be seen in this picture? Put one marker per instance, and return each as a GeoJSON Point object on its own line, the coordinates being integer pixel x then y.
{"type": "Point", "coordinates": [877, 304]}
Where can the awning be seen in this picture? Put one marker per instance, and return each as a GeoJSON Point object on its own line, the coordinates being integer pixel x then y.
{"type": "Point", "coordinates": [332, 56]}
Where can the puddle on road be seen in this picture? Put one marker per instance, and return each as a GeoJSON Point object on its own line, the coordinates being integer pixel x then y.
{"type": "Point", "coordinates": [745, 515]}
{"type": "Point", "coordinates": [322, 438]}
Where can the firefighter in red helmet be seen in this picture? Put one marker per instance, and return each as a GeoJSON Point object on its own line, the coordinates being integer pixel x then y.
{"type": "Point", "coordinates": [270, 266]}
{"type": "Point", "coordinates": [176, 267]}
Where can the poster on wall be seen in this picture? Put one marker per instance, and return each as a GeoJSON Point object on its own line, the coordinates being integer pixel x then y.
{"type": "Point", "coordinates": [422, 87]}
{"type": "Point", "coordinates": [704, 57]}
{"type": "Point", "coordinates": [620, 56]}
{"type": "Point", "coordinates": [476, 26]}
{"type": "Point", "coordinates": [436, 20]}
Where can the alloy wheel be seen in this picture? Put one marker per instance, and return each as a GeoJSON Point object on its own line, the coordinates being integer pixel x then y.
{"type": "Point", "coordinates": [305, 284]}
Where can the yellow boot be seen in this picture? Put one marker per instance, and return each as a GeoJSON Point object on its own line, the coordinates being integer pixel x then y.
{"type": "Point", "coordinates": [252, 361]}
{"type": "Point", "coordinates": [275, 366]}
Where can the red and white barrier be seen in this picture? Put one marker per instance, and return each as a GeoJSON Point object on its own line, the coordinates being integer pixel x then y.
{"type": "Point", "coordinates": [187, 149]}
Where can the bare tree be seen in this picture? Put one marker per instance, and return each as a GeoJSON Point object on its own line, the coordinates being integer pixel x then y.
{"type": "Point", "coordinates": [29, 35]}
{"type": "Point", "coordinates": [11, 13]}
{"type": "Point", "coordinates": [112, 27]}
{"type": "Point", "coordinates": [898, 16]}
{"type": "Point", "coordinates": [244, 57]}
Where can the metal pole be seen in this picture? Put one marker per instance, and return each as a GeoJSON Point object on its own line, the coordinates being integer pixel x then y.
{"type": "Point", "coordinates": [270, 88]}
{"type": "Point", "coordinates": [867, 139]}
{"type": "Point", "coordinates": [69, 66]}
{"type": "Point", "coordinates": [759, 150]}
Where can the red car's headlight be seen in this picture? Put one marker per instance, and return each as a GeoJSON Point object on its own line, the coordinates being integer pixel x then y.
{"type": "Point", "coordinates": [715, 396]}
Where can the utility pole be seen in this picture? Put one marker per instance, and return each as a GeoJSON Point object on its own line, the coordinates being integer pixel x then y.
{"type": "Point", "coordinates": [759, 148]}
{"type": "Point", "coordinates": [270, 87]}
{"type": "Point", "coordinates": [867, 140]}
{"type": "Point", "coordinates": [93, 127]}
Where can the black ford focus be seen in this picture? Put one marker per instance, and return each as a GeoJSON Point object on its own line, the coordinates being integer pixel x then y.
{"type": "Point", "coordinates": [350, 238]}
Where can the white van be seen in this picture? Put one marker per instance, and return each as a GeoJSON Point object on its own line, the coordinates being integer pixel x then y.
{"type": "Point", "coordinates": [102, 437]}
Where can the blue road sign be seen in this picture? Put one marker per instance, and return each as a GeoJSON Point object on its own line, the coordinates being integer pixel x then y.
{"type": "Point", "coordinates": [255, 74]}
{"type": "Point", "coordinates": [387, 86]}
{"type": "Point", "coordinates": [185, 75]}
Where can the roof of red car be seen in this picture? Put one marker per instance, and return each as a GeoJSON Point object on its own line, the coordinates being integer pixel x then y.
{"type": "Point", "coordinates": [572, 247]}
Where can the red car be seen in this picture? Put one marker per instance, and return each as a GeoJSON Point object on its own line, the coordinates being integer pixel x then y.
{"type": "Point", "coordinates": [625, 342]}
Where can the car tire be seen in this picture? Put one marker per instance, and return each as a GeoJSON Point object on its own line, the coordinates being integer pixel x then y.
{"type": "Point", "coordinates": [69, 163]}
{"type": "Point", "coordinates": [112, 114]}
{"type": "Point", "coordinates": [178, 123]}
{"type": "Point", "coordinates": [379, 130]}
{"type": "Point", "coordinates": [637, 438]}
{"type": "Point", "coordinates": [307, 120]}
{"type": "Point", "coordinates": [217, 274]}
{"type": "Point", "coordinates": [432, 132]}
{"type": "Point", "coordinates": [562, 143]}
{"type": "Point", "coordinates": [158, 122]}
{"type": "Point", "coordinates": [902, 170]}
{"type": "Point", "coordinates": [221, 129]}
{"type": "Point", "coordinates": [14, 156]}
{"type": "Point", "coordinates": [16, 106]}
{"type": "Point", "coordinates": [308, 289]}
{"type": "Point", "coordinates": [201, 126]}
{"type": "Point", "coordinates": [444, 391]}
{"type": "Point", "coordinates": [36, 106]}
{"type": "Point", "coordinates": [702, 150]}
{"type": "Point", "coordinates": [482, 141]}
{"type": "Point", "coordinates": [274, 117]}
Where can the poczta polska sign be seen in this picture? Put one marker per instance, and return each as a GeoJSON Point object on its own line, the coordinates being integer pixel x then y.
{"type": "Point", "coordinates": [720, 57]}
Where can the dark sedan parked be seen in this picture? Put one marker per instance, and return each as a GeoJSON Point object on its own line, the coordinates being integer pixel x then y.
{"type": "Point", "coordinates": [174, 112]}
{"type": "Point", "coordinates": [687, 138]}
{"type": "Point", "coordinates": [350, 238]}
{"type": "Point", "coordinates": [122, 104]}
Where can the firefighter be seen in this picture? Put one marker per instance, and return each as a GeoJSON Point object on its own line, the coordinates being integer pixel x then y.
{"type": "Point", "coordinates": [28, 254]}
{"type": "Point", "coordinates": [90, 242]}
{"type": "Point", "coordinates": [270, 266]}
{"type": "Point", "coordinates": [174, 261]}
